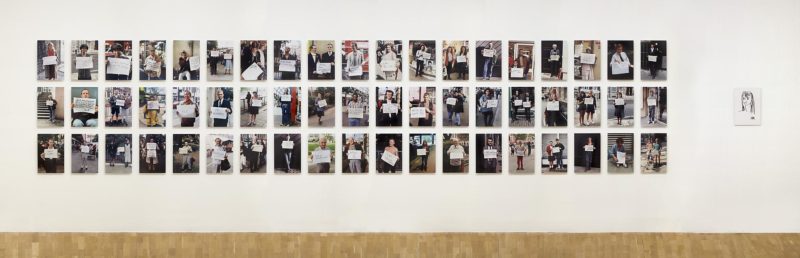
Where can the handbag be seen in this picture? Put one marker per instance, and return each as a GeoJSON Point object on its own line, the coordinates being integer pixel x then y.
{"type": "Point", "coordinates": [225, 165]}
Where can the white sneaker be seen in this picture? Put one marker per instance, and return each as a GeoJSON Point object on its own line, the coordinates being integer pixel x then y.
{"type": "Point", "coordinates": [626, 165]}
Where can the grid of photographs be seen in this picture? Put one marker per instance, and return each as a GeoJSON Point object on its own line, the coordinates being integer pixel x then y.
{"type": "Point", "coordinates": [451, 106]}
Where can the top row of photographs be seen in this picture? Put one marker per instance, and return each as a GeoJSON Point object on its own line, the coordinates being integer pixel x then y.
{"type": "Point", "coordinates": [426, 60]}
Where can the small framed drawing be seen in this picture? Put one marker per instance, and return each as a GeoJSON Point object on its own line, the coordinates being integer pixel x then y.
{"type": "Point", "coordinates": [747, 106]}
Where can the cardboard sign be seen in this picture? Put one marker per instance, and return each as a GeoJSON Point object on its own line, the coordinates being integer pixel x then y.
{"type": "Point", "coordinates": [194, 63]}
{"type": "Point", "coordinates": [120, 66]}
{"type": "Point", "coordinates": [461, 59]}
{"type": "Point", "coordinates": [323, 67]}
{"type": "Point", "coordinates": [84, 62]}
{"type": "Point", "coordinates": [256, 102]}
{"type": "Point", "coordinates": [389, 158]}
{"type": "Point", "coordinates": [218, 154]}
{"type": "Point", "coordinates": [588, 148]}
{"type": "Point", "coordinates": [219, 113]}
{"type": "Point", "coordinates": [322, 103]}
{"type": "Point", "coordinates": [84, 105]}
{"type": "Point", "coordinates": [228, 56]}
{"type": "Point", "coordinates": [492, 103]}
{"type": "Point", "coordinates": [553, 106]}
{"type": "Point", "coordinates": [186, 111]}
{"type": "Point", "coordinates": [84, 149]}
{"type": "Point", "coordinates": [388, 66]}
{"type": "Point", "coordinates": [526, 104]}
{"type": "Point", "coordinates": [389, 108]}
{"type": "Point", "coordinates": [49, 103]}
{"type": "Point", "coordinates": [619, 102]}
{"type": "Point", "coordinates": [119, 102]}
{"type": "Point", "coordinates": [257, 148]}
{"type": "Point", "coordinates": [517, 72]}
{"type": "Point", "coordinates": [620, 157]}
{"type": "Point", "coordinates": [587, 58]}
{"type": "Point", "coordinates": [286, 98]}
{"type": "Point", "coordinates": [588, 101]}
{"type": "Point", "coordinates": [355, 113]}
{"type": "Point", "coordinates": [321, 156]}
{"type": "Point", "coordinates": [153, 105]}
{"type": "Point", "coordinates": [353, 154]}
{"type": "Point", "coordinates": [451, 101]}
{"type": "Point", "coordinates": [50, 60]}
{"type": "Point", "coordinates": [151, 154]}
{"type": "Point", "coordinates": [554, 58]}
{"type": "Point", "coordinates": [120, 149]}
{"type": "Point", "coordinates": [619, 68]}
{"type": "Point", "coordinates": [517, 102]}
{"type": "Point", "coordinates": [488, 53]}
{"type": "Point", "coordinates": [151, 146]}
{"type": "Point", "coordinates": [456, 155]}
{"type": "Point", "coordinates": [214, 53]}
{"type": "Point", "coordinates": [652, 58]}
{"type": "Point", "coordinates": [651, 102]}
{"type": "Point", "coordinates": [286, 66]}
{"type": "Point", "coordinates": [490, 154]}
{"type": "Point", "coordinates": [51, 153]}
{"type": "Point", "coordinates": [287, 145]}
{"type": "Point", "coordinates": [417, 112]}
{"type": "Point", "coordinates": [252, 72]}
{"type": "Point", "coordinates": [422, 152]}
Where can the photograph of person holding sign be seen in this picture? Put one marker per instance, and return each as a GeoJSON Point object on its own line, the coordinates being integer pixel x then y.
{"type": "Point", "coordinates": [521, 147]}
{"type": "Point", "coordinates": [654, 57]}
{"type": "Point", "coordinates": [321, 60]}
{"type": "Point", "coordinates": [489, 59]}
{"type": "Point", "coordinates": [152, 106]}
{"type": "Point", "coordinates": [422, 105]}
{"type": "Point", "coordinates": [287, 59]}
{"type": "Point", "coordinates": [185, 153]}
{"type": "Point", "coordinates": [521, 60]}
{"type": "Point", "coordinates": [49, 63]}
{"type": "Point", "coordinates": [455, 100]}
{"type": "Point", "coordinates": [654, 110]}
{"type": "Point", "coordinates": [355, 152]}
{"type": "Point", "coordinates": [220, 111]}
{"type": "Point", "coordinates": [355, 110]}
{"type": "Point", "coordinates": [389, 58]}
{"type": "Point", "coordinates": [219, 153]}
{"type": "Point", "coordinates": [390, 111]}
{"type": "Point", "coordinates": [422, 158]}
{"type": "Point", "coordinates": [254, 101]}
{"type": "Point", "coordinates": [620, 107]}
{"type": "Point", "coordinates": [554, 153]}
{"type": "Point", "coordinates": [152, 153]}
{"type": "Point", "coordinates": [455, 59]}
{"type": "Point", "coordinates": [321, 106]}
{"type": "Point", "coordinates": [84, 153]}
{"type": "Point", "coordinates": [620, 60]}
{"type": "Point", "coordinates": [219, 60]}
{"type": "Point", "coordinates": [489, 106]}
{"type": "Point", "coordinates": [620, 153]}
{"type": "Point", "coordinates": [552, 60]}
{"type": "Point", "coordinates": [422, 59]}
{"type": "Point", "coordinates": [355, 60]}
{"type": "Point", "coordinates": [186, 60]}
{"type": "Point", "coordinates": [321, 153]}
{"type": "Point", "coordinates": [489, 156]}
{"type": "Point", "coordinates": [253, 153]}
{"type": "Point", "coordinates": [49, 111]}
{"type": "Point", "coordinates": [254, 60]}
{"type": "Point", "coordinates": [51, 153]}
{"type": "Point", "coordinates": [119, 60]}
{"type": "Point", "coordinates": [654, 153]}
{"type": "Point", "coordinates": [587, 67]}
{"type": "Point", "coordinates": [152, 66]}
{"type": "Point", "coordinates": [555, 108]}
{"type": "Point", "coordinates": [84, 107]}
{"type": "Point", "coordinates": [587, 147]}
{"type": "Point", "coordinates": [118, 106]}
{"type": "Point", "coordinates": [587, 100]}
{"type": "Point", "coordinates": [287, 110]}
{"type": "Point", "coordinates": [388, 152]}
{"type": "Point", "coordinates": [119, 153]}
{"type": "Point", "coordinates": [84, 60]}
{"type": "Point", "coordinates": [186, 106]}
{"type": "Point", "coordinates": [287, 153]}
{"type": "Point", "coordinates": [456, 156]}
{"type": "Point", "coordinates": [522, 102]}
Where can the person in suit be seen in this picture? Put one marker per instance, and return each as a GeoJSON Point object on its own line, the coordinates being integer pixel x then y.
{"type": "Point", "coordinates": [221, 102]}
{"type": "Point", "coordinates": [387, 118]}
{"type": "Point", "coordinates": [313, 59]}
{"type": "Point", "coordinates": [328, 57]}
{"type": "Point", "coordinates": [654, 65]}
{"type": "Point", "coordinates": [489, 164]}
{"type": "Point", "coordinates": [555, 65]}
{"type": "Point", "coordinates": [212, 62]}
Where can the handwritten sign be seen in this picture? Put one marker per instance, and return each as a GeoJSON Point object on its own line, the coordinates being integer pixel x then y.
{"type": "Point", "coordinates": [555, 58]}
{"type": "Point", "coordinates": [186, 111]}
{"type": "Point", "coordinates": [218, 154]}
{"type": "Point", "coordinates": [422, 152]}
{"type": "Point", "coordinates": [150, 65]}
{"type": "Point", "coordinates": [588, 148]}
{"type": "Point", "coordinates": [556, 149]}
{"type": "Point", "coordinates": [288, 145]}
{"type": "Point", "coordinates": [490, 154]}
{"type": "Point", "coordinates": [151, 146]}
{"type": "Point", "coordinates": [151, 154]}
{"type": "Point", "coordinates": [426, 55]}
{"type": "Point", "coordinates": [353, 154]}
{"type": "Point", "coordinates": [50, 60]}
{"type": "Point", "coordinates": [321, 156]}
{"type": "Point", "coordinates": [257, 148]}
{"type": "Point", "coordinates": [451, 101]}
{"type": "Point", "coordinates": [194, 63]}
{"type": "Point", "coordinates": [286, 66]}
{"type": "Point", "coordinates": [256, 102]}
{"type": "Point", "coordinates": [456, 155]}
{"type": "Point", "coordinates": [588, 101]}
{"type": "Point", "coordinates": [519, 152]}
{"type": "Point", "coordinates": [153, 105]}
{"type": "Point", "coordinates": [120, 66]}
{"type": "Point", "coordinates": [228, 56]}
{"type": "Point", "coordinates": [652, 58]}
{"type": "Point", "coordinates": [323, 67]}
{"type": "Point", "coordinates": [492, 103]}
{"type": "Point", "coordinates": [214, 53]}
{"type": "Point", "coordinates": [252, 72]}
{"type": "Point", "coordinates": [355, 113]}
{"type": "Point", "coordinates": [389, 108]}
{"type": "Point", "coordinates": [651, 102]}
{"type": "Point", "coordinates": [461, 59]}
{"type": "Point", "coordinates": [587, 58]}
{"type": "Point", "coordinates": [552, 106]}
{"type": "Point", "coordinates": [388, 66]}
{"type": "Point", "coordinates": [49, 103]}
{"type": "Point", "coordinates": [355, 71]}
{"type": "Point", "coordinates": [619, 68]}
{"type": "Point", "coordinates": [119, 102]}
{"type": "Point", "coordinates": [417, 112]}
{"type": "Point", "coordinates": [322, 103]}
{"type": "Point", "coordinates": [389, 158]}
{"type": "Point", "coordinates": [488, 53]}
{"type": "Point", "coordinates": [517, 102]}
{"type": "Point", "coordinates": [83, 62]}
{"type": "Point", "coordinates": [183, 150]}
{"type": "Point", "coordinates": [620, 157]}
{"type": "Point", "coordinates": [619, 102]}
{"type": "Point", "coordinates": [120, 149]}
{"type": "Point", "coordinates": [517, 72]}
{"type": "Point", "coordinates": [286, 98]}
{"type": "Point", "coordinates": [219, 113]}
{"type": "Point", "coordinates": [526, 104]}
{"type": "Point", "coordinates": [84, 149]}
{"type": "Point", "coordinates": [84, 105]}
{"type": "Point", "coordinates": [50, 153]}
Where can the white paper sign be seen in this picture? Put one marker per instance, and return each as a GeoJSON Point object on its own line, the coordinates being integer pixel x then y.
{"type": "Point", "coordinates": [214, 53]}
{"type": "Point", "coordinates": [49, 103]}
{"type": "Point", "coordinates": [519, 153]}
{"type": "Point", "coordinates": [492, 103]}
{"type": "Point", "coordinates": [321, 156]}
{"type": "Point", "coordinates": [228, 56]}
{"type": "Point", "coordinates": [588, 101]}
{"type": "Point", "coordinates": [517, 72]}
{"type": "Point", "coordinates": [194, 63]}
{"type": "Point", "coordinates": [120, 149]}
{"type": "Point", "coordinates": [50, 60]}
{"type": "Point", "coordinates": [286, 66]}
{"type": "Point", "coordinates": [219, 113]}
{"type": "Point", "coordinates": [588, 148]}
{"type": "Point", "coordinates": [119, 102]}
{"type": "Point", "coordinates": [488, 52]}
{"type": "Point", "coordinates": [218, 155]}
{"type": "Point", "coordinates": [620, 158]}
{"type": "Point", "coordinates": [150, 65]}
{"type": "Point", "coordinates": [84, 149]}
{"type": "Point", "coordinates": [151, 146]}
{"type": "Point", "coordinates": [388, 66]}
{"type": "Point", "coordinates": [121, 66]}
{"type": "Point", "coordinates": [256, 102]}
{"type": "Point", "coordinates": [151, 153]}
{"type": "Point", "coordinates": [286, 98]}
{"type": "Point", "coordinates": [417, 112]}
{"type": "Point", "coordinates": [389, 158]}
{"type": "Point", "coordinates": [517, 102]}
{"type": "Point", "coordinates": [652, 58]}
{"type": "Point", "coordinates": [426, 55]}
{"type": "Point", "coordinates": [554, 57]}
{"type": "Point", "coordinates": [287, 145]}
{"type": "Point", "coordinates": [183, 150]}
{"type": "Point", "coordinates": [552, 106]}
{"type": "Point", "coordinates": [84, 105]}
{"type": "Point", "coordinates": [526, 104]}
{"type": "Point", "coordinates": [619, 102]}
{"type": "Point", "coordinates": [257, 148]}
{"type": "Point", "coordinates": [50, 153]}
{"type": "Point", "coordinates": [252, 72]}
{"type": "Point", "coordinates": [186, 111]}
{"type": "Point", "coordinates": [461, 59]}
{"type": "Point", "coordinates": [587, 58]}
{"type": "Point", "coordinates": [389, 108]}
{"type": "Point", "coordinates": [456, 155]}
{"type": "Point", "coordinates": [490, 154]}
{"type": "Point", "coordinates": [556, 149]}
{"type": "Point", "coordinates": [619, 68]}
{"type": "Point", "coordinates": [651, 102]}
{"type": "Point", "coordinates": [323, 67]}
{"type": "Point", "coordinates": [355, 71]}
{"type": "Point", "coordinates": [355, 113]}
{"type": "Point", "coordinates": [422, 152]}
{"type": "Point", "coordinates": [451, 101]}
{"type": "Point", "coordinates": [322, 103]}
{"type": "Point", "coordinates": [83, 62]}
{"type": "Point", "coordinates": [353, 154]}
{"type": "Point", "coordinates": [153, 104]}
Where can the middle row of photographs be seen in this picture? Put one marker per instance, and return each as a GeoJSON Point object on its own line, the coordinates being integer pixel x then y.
{"type": "Point", "coordinates": [191, 107]}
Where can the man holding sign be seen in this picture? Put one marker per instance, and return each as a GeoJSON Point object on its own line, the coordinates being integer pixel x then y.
{"type": "Point", "coordinates": [354, 155]}
{"type": "Point", "coordinates": [321, 156]}
{"type": "Point", "coordinates": [84, 63]}
{"type": "Point", "coordinates": [389, 157]}
{"type": "Point", "coordinates": [489, 157]}
{"type": "Point", "coordinates": [558, 152]}
{"type": "Point", "coordinates": [84, 110]}
{"type": "Point", "coordinates": [220, 110]}
{"type": "Point", "coordinates": [118, 66]}
{"type": "Point", "coordinates": [188, 110]}
{"type": "Point", "coordinates": [489, 58]}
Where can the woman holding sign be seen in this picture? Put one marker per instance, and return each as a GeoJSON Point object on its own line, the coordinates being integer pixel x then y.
{"type": "Point", "coordinates": [486, 107]}
{"type": "Point", "coordinates": [188, 110]}
{"type": "Point", "coordinates": [216, 158]}
{"type": "Point", "coordinates": [427, 104]}
{"type": "Point", "coordinates": [84, 74]}
{"type": "Point", "coordinates": [354, 153]}
{"type": "Point", "coordinates": [617, 151]}
{"type": "Point", "coordinates": [184, 72]}
{"type": "Point", "coordinates": [449, 61]}
{"type": "Point", "coordinates": [151, 154]}
{"type": "Point", "coordinates": [620, 65]}
{"type": "Point", "coordinates": [319, 109]}
{"type": "Point", "coordinates": [258, 155]}
{"type": "Point", "coordinates": [50, 156]}
{"type": "Point", "coordinates": [422, 153]}
{"type": "Point", "coordinates": [588, 151]}
{"type": "Point", "coordinates": [254, 104]}
{"type": "Point", "coordinates": [456, 155]}
{"type": "Point", "coordinates": [619, 108]}
{"type": "Point", "coordinates": [84, 114]}
{"type": "Point", "coordinates": [50, 69]}
{"type": "Point", "coordinates": [519, 152]}
{"type": "Point", "coordinates": [355, 110]}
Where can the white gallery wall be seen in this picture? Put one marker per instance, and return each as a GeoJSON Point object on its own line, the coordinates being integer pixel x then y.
{"type": "Point", "coordinates": [721, 178]}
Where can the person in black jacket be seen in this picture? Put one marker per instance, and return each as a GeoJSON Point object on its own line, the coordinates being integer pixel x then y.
{"type": "Point", "coordinates": [224, 103]}
{"type": "Point", "coordinates": [328, 57]}
{"type": "Point", "coordinates": [387, 118]}
{"type": "Point", "coordinates": [558, 155]}
{"type": "Point", "coordinates": [313, 59]}
{"type": "Point", "coordinates": [51, 109]}
{"type": "Point", "coordinates": [653, 65]}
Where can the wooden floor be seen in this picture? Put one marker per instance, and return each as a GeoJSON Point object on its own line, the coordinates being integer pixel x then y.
{"type": "Point", "coordinates": [372, 245]}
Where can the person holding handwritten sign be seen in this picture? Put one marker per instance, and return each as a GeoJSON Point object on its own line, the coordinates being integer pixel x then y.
{"type": "Point", "coordinates": [287, 148]}
{"type": "Point", "coordinates": [152, 109]}
{"type": "Point", "coordinates": [615, 151]}
{"type": "Point", "coordinates": [591, 104]}
{"type": "Point", "coordinates": [188, 118]}
{"type": "Point", "coordinates": [389, 62]}
{"type": "Point", "coordinates": [50, 69]}
{"type": "Point", "coordinates": [151, 154]}
{"type": "Point", "coordinates": [455, 107]}
{"type": "Point", "coordinates": [51, 108]}
{"type": "Point", "coordinates": [287, 56]}
{"type": "Point", "coordinates": [620, 64]}
{"type": "Point", "coordinates": [391, 149]}
{"type": "Point", "coordinates": [651, 107]}
{"type": "Point", "coordinates": [117, 52]}
{"type": "Point", "coordinates": [455, 154]}
{"type": "Point", "coordinates": [449, 61]}
{"type": "Point", "coordinates": [430, 110]}
{"type": "Point", "coordinates": [486, 110]}
{"type": "Point", "coordinates": [152, 67]}
{"type": "Point", "coordinates": [554, 62]}
{"type": "Point", "coordinates": [319, 110]}
{"type": "Point", "coordinates": [50, 156]}
{"type": "Point", "coordinates": [352, 148]}
{"type": "Point", "coordinates": [423, 155]}
{"type": "Point", "coordinates": [489, 58]}
{"type": "Point", "coordinates": [654, 59]}
{"type": "Point", "coordinates": [354, 61]}
{"type": "Point", "coordinates": [213, 59]}
{"type": "Point", "coordinates": [588, 151]}
{"type": "Point", "coordinates": [328, 58]}
{"type": "Point", "coordinates": [462, 63]}
{"type": "Point", "coordinates": [84, 74]}
{"type": "Point", "coordinates": [619, 108]}
{"type": "Point", "coordinates": [184, 71]}
{"type": "Point", "coordinates": [420, 59]}
{"type": "Point", "coordinates": [218, 155]}
{"type": "Point", "coordinates": [84, 119]}
{"type": "Point", "coordinates": [323, 167]}
{"type": "Point", "coordinates": [519, 151]}
{"type": "Point", "coordinates": [553, 108]}
{"type": "Point", "coordinates": [186, 153]}
{"type": "Point", "coordinates": [251, 55]}
{"type": "Point", "coordinates": [115, 109]}
{"type": "Point", "coordinates": [221, 102]}
{"type": "Point", "coordinates": [389, 115]}
{"type": "Point", "coordinates": [254, 104]}
{"type": "Point", "coordinates": [549, 152]}
{"type": "Point", "coordinates": [313, 60]}
{"type": "Point", "coordinates": [286, 108]}
{"type": "Point", "coordinates": [489, 161]}
{"type": "Point", "coordinates": [258, 154]}
{"type": "Point", "coordinates": [558, 152]}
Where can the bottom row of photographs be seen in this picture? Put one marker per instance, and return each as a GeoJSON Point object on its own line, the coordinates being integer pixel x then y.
{"type": "Point", "coordinates": [216, 153]}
